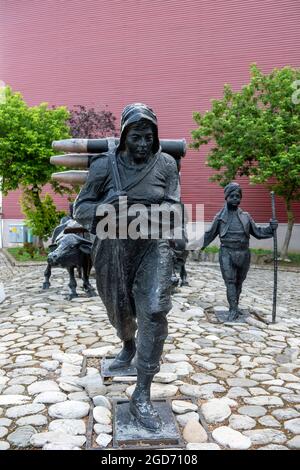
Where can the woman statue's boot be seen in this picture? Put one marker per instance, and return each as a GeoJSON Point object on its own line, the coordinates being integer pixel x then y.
{"type": "Point", "coordinates": [125, 356]}
{"type": "Point", "coordinates": [141, 406]}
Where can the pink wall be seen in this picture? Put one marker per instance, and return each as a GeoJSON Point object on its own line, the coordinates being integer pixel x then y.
{"type": "Point", "coordinates": [174, 55]}
{"type": "Point", "coordinates": [11, 208]}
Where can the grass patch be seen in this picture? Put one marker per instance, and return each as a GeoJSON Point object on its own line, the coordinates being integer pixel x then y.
{"type": "Point", "coordinates": [294, 258]}
{"type": "Point", "coordinates": [261, 252]}
{"type": "Point", "coordinates": [211, 249]}
{"type": "Point", "coordinates": [20, 254]}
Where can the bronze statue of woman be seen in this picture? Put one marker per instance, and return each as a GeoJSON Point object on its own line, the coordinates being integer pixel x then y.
{"type": "Point", "coordinates": [134, 275]}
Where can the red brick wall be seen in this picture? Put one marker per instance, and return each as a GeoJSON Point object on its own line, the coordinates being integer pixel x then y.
{"type": "Point", "coordinates": [173, 54]}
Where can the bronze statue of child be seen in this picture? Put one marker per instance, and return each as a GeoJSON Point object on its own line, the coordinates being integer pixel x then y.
{"type": "Point", "coordinates": [234, 228]}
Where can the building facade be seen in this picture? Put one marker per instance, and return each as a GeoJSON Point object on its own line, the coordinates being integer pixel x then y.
{"type": "Point", "coordinates": [174, 55]}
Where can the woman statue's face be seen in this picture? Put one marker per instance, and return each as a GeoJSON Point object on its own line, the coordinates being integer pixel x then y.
{"type": "Point", "coordinates": [139, 143]}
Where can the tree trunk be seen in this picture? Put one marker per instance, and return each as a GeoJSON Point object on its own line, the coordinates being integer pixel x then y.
{"type": "Point", "coordinates": [35, 194]}
{"type": "Point", "coordinates": [291, 221]}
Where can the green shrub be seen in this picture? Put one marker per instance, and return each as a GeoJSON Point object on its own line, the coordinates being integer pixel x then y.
{"type": "Point", "coordinates": [42, 218]}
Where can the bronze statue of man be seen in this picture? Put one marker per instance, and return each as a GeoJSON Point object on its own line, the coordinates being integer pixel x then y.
{"type": "Point", "coordinates": [234, 228]}
{"type": "Point", "coordinates": [134, 275]}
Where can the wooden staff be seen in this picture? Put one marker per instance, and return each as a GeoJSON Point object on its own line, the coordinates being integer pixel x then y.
{"type": "Point", "coordinates": [275, 259]}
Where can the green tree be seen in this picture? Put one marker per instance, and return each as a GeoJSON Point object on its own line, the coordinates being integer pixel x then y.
{"type": "Point", "coordinates": [256, 133]}
{"type": "Point", "coordinates": [41, 218]}
{"type": "Point", "coordinates": [26, 135]}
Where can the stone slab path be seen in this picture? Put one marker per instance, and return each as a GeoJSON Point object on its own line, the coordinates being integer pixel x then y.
{"type": "Point", "coordinates": [232, 386]}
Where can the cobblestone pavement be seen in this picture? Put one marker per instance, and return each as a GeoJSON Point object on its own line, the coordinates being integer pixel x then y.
{"type": "Point", "coordinates": [232, 385]}
{"type": "Point", "coordinates": [7, 270]}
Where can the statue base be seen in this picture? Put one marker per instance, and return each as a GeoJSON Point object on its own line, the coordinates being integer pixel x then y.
{"type": "Point", "coordinates": [106, 372]}
{"type": "Point", "coordinates": [128, 431]}
{"type": "Point", "coordinates": [222, 316]}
